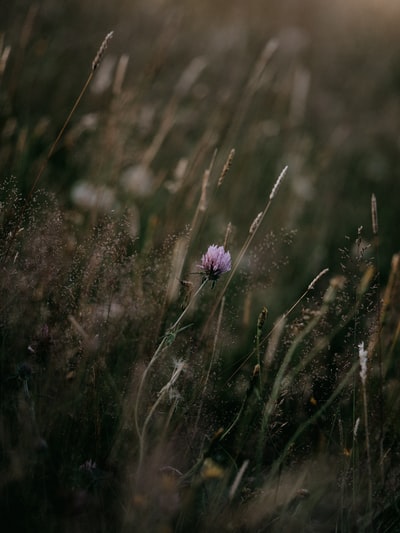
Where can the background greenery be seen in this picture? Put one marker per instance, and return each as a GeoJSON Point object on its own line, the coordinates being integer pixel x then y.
{"type": "Point", "coordinates": [311, 85]}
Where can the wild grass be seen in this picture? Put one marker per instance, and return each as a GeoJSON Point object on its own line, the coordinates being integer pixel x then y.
{"type": "Point", "coordinates": [141, 392]}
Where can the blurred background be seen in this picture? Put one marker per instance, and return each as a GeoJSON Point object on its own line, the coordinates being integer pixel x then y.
{"type": "Point", "coordinates": [311, 85]}
{"type": "Point", "coordinates": [91, 264]}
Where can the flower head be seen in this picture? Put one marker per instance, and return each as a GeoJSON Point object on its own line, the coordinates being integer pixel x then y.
{"type": "Point", "coordinates": [215, 262]}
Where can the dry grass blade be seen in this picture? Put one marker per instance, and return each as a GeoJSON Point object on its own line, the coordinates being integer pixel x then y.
{"type": "Point", "coordinates": [226, 167]}
{"type": "Point", "coordinates": [101, 51]}
{"type": "Point", "coordinates": [374, 215]}
{"type": "Point", "coordinates": [57, 140]}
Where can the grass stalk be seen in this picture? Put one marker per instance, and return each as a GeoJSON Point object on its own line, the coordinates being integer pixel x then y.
{"type": "Point", "coordinates": [363, 357]}
{"type": "Point", "coordinates": [95, 64]}
{"type": "Point", "coordinates": [282, 319]}
{"type": "Point", "coordinates": [367, 447]}
{"type": "Point", "coordinates": [375, 232]}
{"type": "Point", "coordinates": [252, 232]}
{"type": "Point", "coordinates": [167, 339]}
{"type": "Point", "coordinates": [210, 365]}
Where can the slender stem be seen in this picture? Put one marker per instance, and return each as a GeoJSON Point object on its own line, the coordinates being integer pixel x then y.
{"type": "Point", "coordinates": [210, 365]}
{"type": "Point", "coordinates": [161, 395]}
{"type": "Point", "coordinates": [176, 323]}
{"type": "Point", "coordinates": [155, 356]}
{"type": "Point", "coordinates": [367, 445]}
{"type": "Point", "coordinates": [375, 230]}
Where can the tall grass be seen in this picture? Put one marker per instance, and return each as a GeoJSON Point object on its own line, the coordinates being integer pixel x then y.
{"type": "Point", "coordinates": [139, 393]}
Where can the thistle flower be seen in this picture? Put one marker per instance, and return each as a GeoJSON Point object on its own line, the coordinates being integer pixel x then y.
{"type": "Point", "coordinates": [215, 262]}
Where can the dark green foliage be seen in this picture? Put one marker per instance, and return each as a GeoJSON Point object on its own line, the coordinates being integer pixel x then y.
{"type": "Point", "coordinates": [131, 397]}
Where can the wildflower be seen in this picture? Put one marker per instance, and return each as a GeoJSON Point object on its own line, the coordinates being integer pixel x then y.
{"type": "Point", "coordinates": [215, 262]}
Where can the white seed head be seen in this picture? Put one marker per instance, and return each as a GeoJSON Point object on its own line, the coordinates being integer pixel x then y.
{"type": "Point", "coordinates": [363, 356]}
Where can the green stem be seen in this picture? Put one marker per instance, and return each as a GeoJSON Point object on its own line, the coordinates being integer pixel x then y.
{"type": "Point", "coordinates": [154, 358]}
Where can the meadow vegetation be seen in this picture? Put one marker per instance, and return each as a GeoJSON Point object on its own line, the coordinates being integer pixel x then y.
{"type": "Point", "coordinates": [200, 272]}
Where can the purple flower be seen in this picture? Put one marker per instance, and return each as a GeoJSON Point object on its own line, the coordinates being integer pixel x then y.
{"type": "Point", "coordinates": [215, 262]}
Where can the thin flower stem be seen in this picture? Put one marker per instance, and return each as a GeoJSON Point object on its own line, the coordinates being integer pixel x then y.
{"type": "Point", "coordinates": [141, 432]}
{"type": "Point", "coordinates": [149, 416]}
{"type": "Point", "coordinates": [212, 358]}
{"type": "Point", "coordinates": [176, 323]}
{"type": "Point", "coordinates": [171, 331]}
